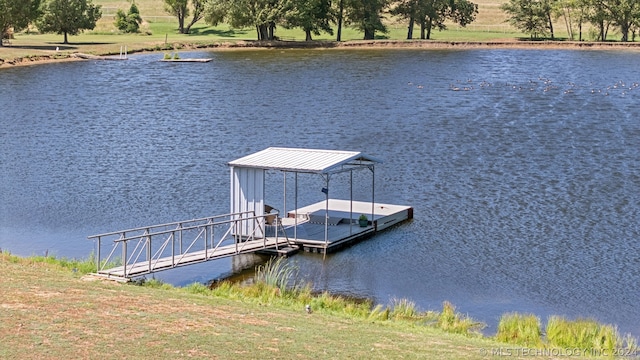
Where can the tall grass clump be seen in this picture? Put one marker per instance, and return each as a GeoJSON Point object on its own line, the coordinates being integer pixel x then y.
{"type": "Point", "coordinates": [380, 313]}
{"type": "Point", "coordinates": [584, 334]}
{"type": "Point", "coordinates": [403, 309]}
{"type": "Point", "coordinates": [276, 273]}
{"type": "Point", "coordinates": [451, 321]}
{"type": "Point", "coordinates": [521, 329]}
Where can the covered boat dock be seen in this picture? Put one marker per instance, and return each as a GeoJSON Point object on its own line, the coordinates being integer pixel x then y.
{"type": "Point", "coordinates": [323, 226]}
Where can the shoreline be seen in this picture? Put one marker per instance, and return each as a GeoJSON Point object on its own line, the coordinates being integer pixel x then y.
{"type": "Point", "coordinates": [352, 44]}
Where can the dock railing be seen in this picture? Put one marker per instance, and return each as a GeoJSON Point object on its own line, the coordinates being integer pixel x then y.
{"type": "Point", "coordinates": [148, 249]}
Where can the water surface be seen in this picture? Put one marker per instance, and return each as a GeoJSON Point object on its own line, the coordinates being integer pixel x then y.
{"type": "Point", "coordinates": [523, 166]}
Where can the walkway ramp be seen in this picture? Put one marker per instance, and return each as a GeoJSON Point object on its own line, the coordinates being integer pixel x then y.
{"type": "Point", "coordinates": [145, 250]}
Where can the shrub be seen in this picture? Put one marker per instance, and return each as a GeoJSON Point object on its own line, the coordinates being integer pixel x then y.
{"type": "Point", "coordinates": [519, 329]}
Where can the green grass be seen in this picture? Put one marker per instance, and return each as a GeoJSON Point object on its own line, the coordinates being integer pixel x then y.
{"type": "Point", "coordinates": [519, 329]}
{"type": "Point", "coordinates": [49, 312]}
{"type": "Point", "coordinates": [583, 334]}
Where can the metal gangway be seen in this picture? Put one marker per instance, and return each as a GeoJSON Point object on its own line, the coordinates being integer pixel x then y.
{"type": "Point", "coordinates": [149, 249]}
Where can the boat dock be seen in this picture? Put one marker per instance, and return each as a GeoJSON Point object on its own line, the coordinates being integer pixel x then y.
{"type": "Point", "coordinates": [253, 226]}
{"type": "Point", "coordinates": [341, 224]}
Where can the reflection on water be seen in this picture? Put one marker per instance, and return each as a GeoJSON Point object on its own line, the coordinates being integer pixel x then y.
{"type": "Point", "coordinates": [523, 166]}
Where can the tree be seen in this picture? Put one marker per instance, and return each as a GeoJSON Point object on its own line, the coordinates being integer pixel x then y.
{"type": "Point", "coordinates": [215, 11]}
{"type": "Point", "coordinates": [406, 9]}
{"type": "Point", "coordinates": [261, 14]}
{"type": "Point", "coordinates": [313, 16]}
{"type": "Point", "coordinates": [130, 22]}
{"type": "Point", "coordinates": [69, 17]}
{"type": "Point", "coordinates": [181, 10]}
{"type": "Point", "coordinates": [623, 13]}
{"type": "Point", "coordinates": [16, 15]}
{"type": "Point", "coordinates": [432, 14]}
{"type": "Point", "coordinates": [527, 15]}
{"type": "Point", "coordinates": [340, 19]}
{"type": "Point", "coordinates": [366, 16]}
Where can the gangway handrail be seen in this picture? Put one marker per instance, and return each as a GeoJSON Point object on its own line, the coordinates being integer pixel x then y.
{"type": "Point", "coordinates": [167, 224]}
{"type": "Point", "coordinates": [134, 263]}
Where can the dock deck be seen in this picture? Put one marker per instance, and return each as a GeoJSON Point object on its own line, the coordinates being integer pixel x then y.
{"type": "Point", "coordinates": [342, 225]}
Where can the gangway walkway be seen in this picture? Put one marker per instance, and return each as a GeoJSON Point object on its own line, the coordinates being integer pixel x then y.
{"type": "Point", "coordinates": [145, 250]}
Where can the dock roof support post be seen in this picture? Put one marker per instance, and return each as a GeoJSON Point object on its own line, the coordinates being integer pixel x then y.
{"type": "Point", "coordinates": [326, 213]}
{"type": "Point", "coordinates": [350, 202]}
{"type": "Point", "coordinates": [373, 192]}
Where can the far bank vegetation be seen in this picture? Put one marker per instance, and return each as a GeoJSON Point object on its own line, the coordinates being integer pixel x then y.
{"type": "Point", "coordinates": [577, 20]}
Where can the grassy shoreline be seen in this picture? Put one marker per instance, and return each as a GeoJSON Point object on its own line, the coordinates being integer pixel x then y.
{"type": "Point", "coordinates": [31, 49]}
{"type": "Point", "coordinates": [49, 310]}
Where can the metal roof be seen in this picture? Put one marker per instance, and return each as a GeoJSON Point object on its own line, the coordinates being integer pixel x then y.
{"type": "Point", "coordinates": [304, 160]}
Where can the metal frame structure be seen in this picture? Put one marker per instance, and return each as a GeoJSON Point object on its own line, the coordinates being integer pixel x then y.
{"type": "Point", "coordinates": [311, 161]}
{"type": "Point", "coordinates": [154, 248]}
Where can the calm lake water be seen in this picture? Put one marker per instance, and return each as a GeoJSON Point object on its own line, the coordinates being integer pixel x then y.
{"type": "Point", "coordinates": [523, 166]}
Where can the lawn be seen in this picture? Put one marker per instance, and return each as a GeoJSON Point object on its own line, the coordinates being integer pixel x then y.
{"type": "Point", "coordinates": [48, 312]}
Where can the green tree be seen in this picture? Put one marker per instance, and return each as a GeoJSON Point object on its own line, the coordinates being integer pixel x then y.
{"type": "Point", "coordinates": [527, 15]}
{"type": "Point", "coordinates": [16, 15]}
{"type": "Point", "coordinates": [263, 15]}
{"type": "Point", "coordinates": [408, 10]}
{"type": "Point", "coordinates": [129, 22]}
{"type": "Point", "coordinates": [432, 14]}
{"type": "Point", "coordinates": [625, 14]}
{"type": "Point", "coordinates": [366, 16]}
{"type": "Point", "coordinates": [215, 11]}
{"type": "Point", "coordinates": [340, 16]}
{"type": "Point", "coordinates": [599, 18]}
{"type": "Point", "coordinates": [181, 10]}
{"type": "Point", "coordinates": [69, 17]}
{"type": "Point", "coordinates": [313, 16]}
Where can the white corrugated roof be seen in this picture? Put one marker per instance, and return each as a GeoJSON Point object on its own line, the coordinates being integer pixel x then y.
{"type": "Point", "coordinates": [302, 160]}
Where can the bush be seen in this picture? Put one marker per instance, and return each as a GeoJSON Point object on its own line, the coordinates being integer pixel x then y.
{"type": "Point", "coordinates": [519, 329]}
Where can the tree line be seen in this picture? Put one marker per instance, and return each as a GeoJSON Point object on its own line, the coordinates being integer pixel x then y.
{"type": "Point", "coordinates": [312, 16]}
{"type": "Point", "coordinates": [535, 17]}
{"type": "Point", "coordinates": [317, 16]}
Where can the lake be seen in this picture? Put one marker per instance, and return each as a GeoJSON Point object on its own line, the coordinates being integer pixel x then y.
{"type": "Point", "coordinates": [523, 166]}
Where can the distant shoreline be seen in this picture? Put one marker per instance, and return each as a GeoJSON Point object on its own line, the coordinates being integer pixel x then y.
{"type": "Point", "coordinates": [353, 44]}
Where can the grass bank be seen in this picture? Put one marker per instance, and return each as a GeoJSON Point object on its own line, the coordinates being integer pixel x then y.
{"type": "Point", "coordinates": [48, 310]}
